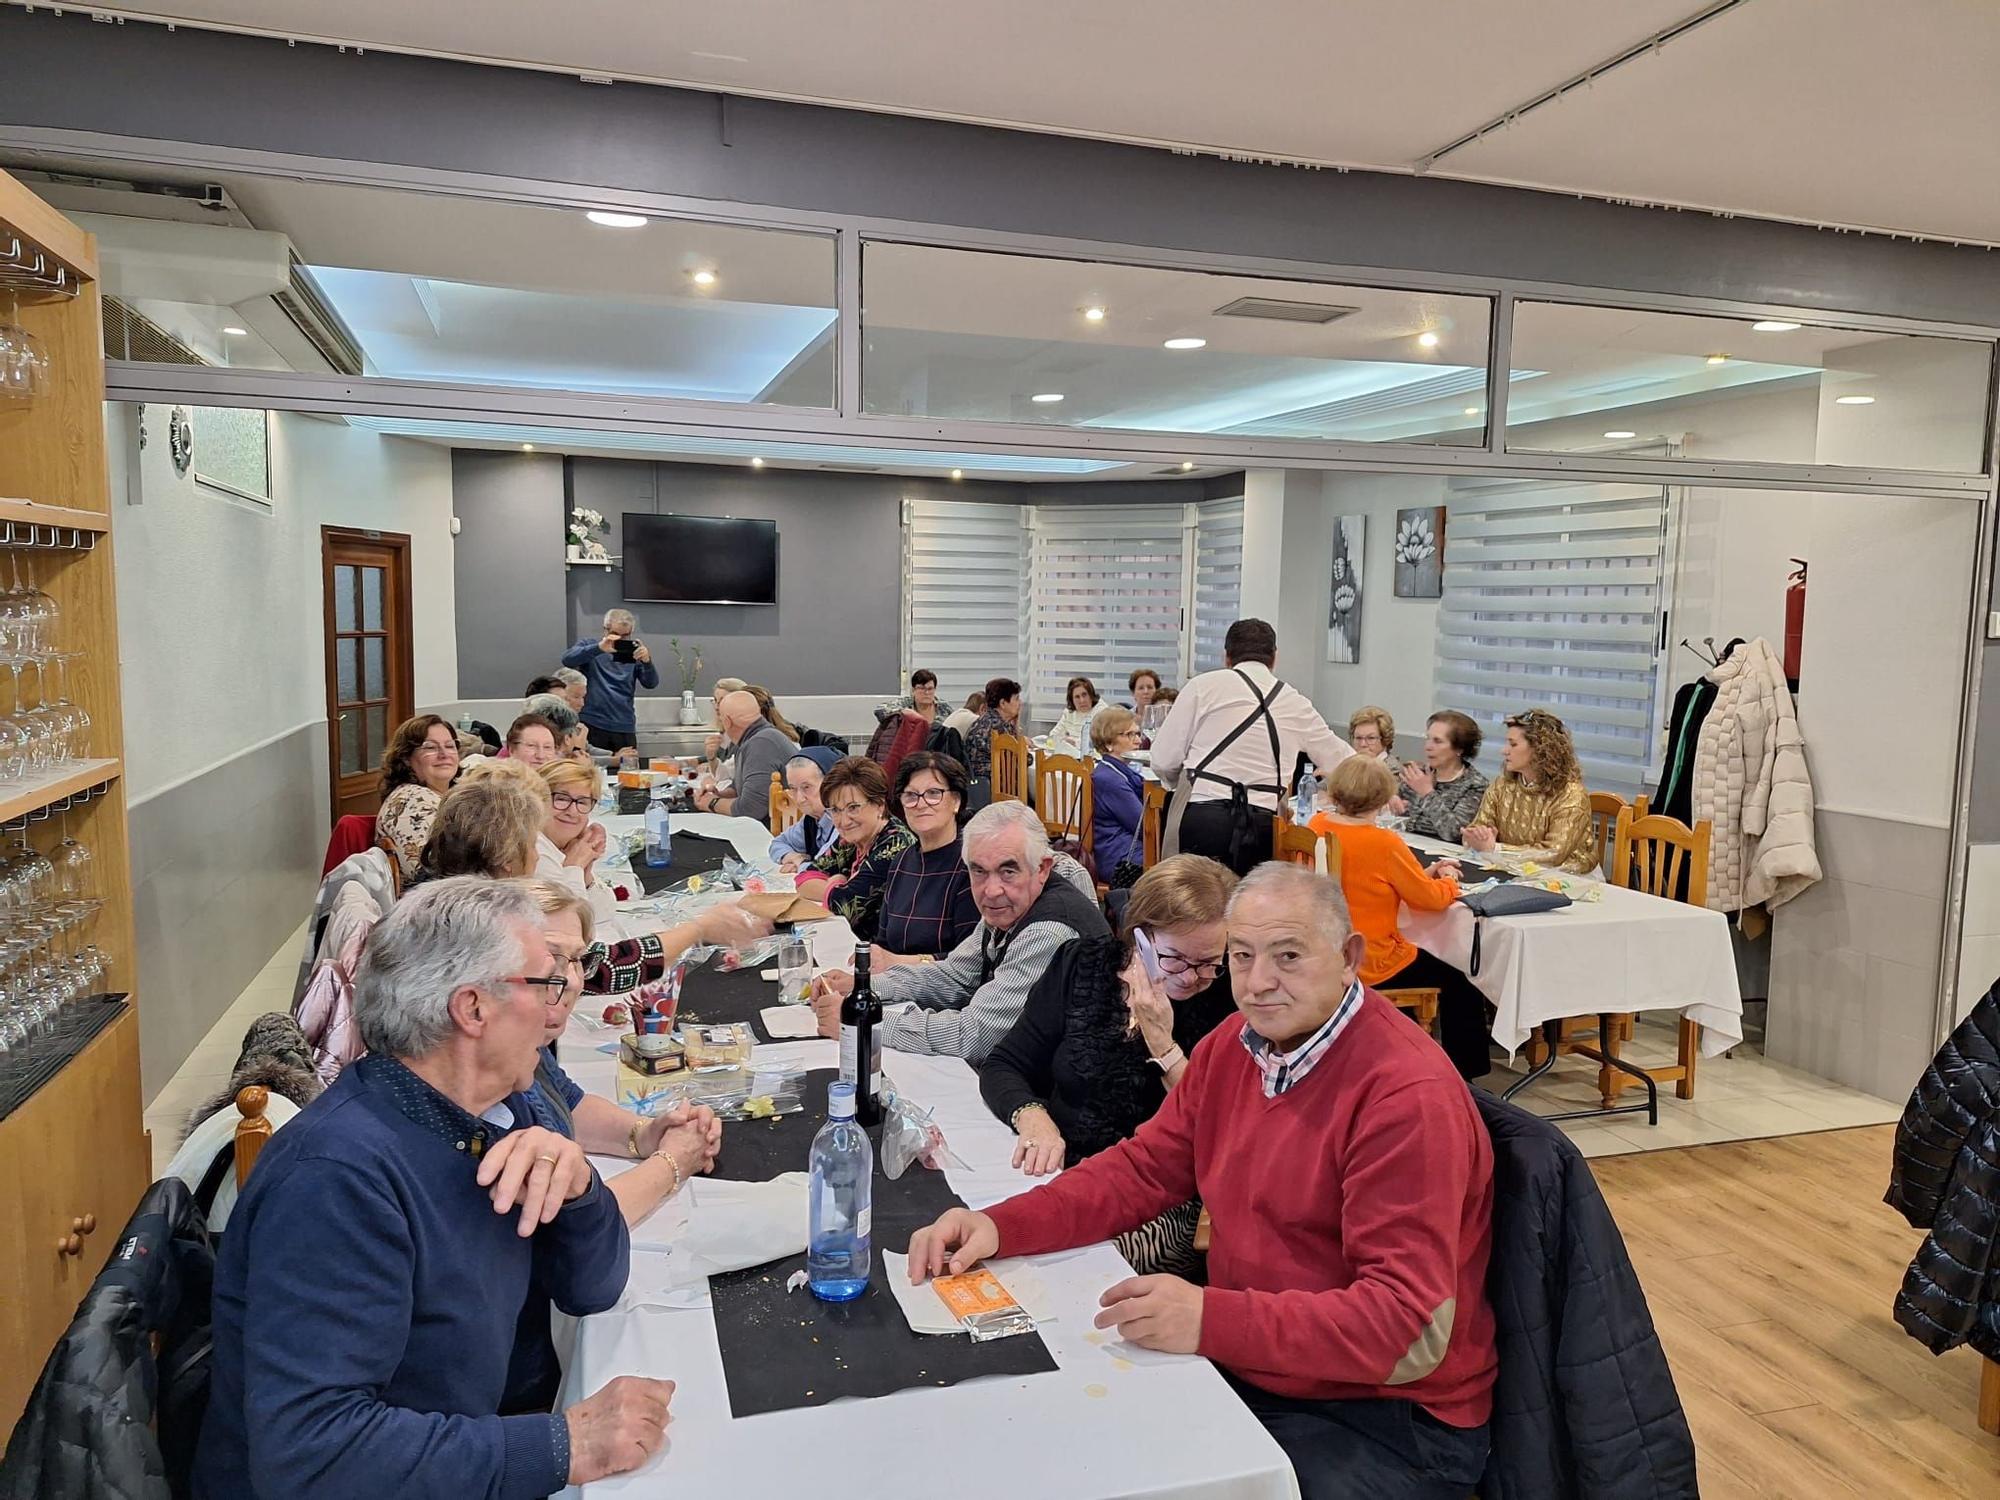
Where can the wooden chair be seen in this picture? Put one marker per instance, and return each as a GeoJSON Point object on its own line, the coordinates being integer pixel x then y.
{"type": "Point", "coordinates": [1151, 822]}
{"type": "Point", "coordinates": [785, 810]}
{"type": "Point", "coordinates": [1662, 857]}
{"type": "Point", "coordinates": [1604, 810]}
{"type": "Point", "coordinates": [1297, 844]}
{"type": "Point", "coordinates": [253, 1131]}
{"type": "Point", "coordinates": [1421, 1004]}
{"type": "Point", "coordinates": [1064, 798]}
{"type": "Point", "coordinates": [1010, 768]}
{"type": "Point", "coordinates": [1989, 1381]}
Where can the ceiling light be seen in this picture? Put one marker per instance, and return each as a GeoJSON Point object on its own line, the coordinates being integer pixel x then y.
{"type": "Point", "coordinates": [756, 463]}
{"type": "Point", "coordinates": [1047, 398]}
{"type": "Point", "coordinates": [1718, 359]}
{"type": "Point", "coordinates": [1185, 344]}
{"type": "Point", "coordinates": [1428, 339]}
{"type": "Point", "coordinates": [527, 447]}
{"type": "Point", "coordinates": [611, 219]}
{"type": "Point", "coordinates": [1773, 325]}
{"type": "Point", "coordinates": [1472, 411]}
{"type": "Point", "coordinates": [1186, 465]}
{"type": "Point", "coordinates": [704, 278]}
{"type": "Point", "coordinates": [958, 473]}
{"type": "Point", "coordinates": [233, 332]}
{"type": "Point", "coordinates": [1621, 433]}
{"type": "Point", "coordinates": [1853, 400]}
{"type": "Point", "coordinates": [1094, 314]}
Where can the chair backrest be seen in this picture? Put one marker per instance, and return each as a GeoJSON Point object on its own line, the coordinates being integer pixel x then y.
{"type": "Point", "coordinates": [785, 809]}
{"type": "Point", "coordinates": [1010, 768]}
{"type": "Point", "coordinates": [1604, 810]}
{"type": "Point", "coordinates": [1662, 856]}
{"type": "Point", "coordinates": [1155, 814]}
{"type": "Point", "coordinates": [1297, 844]}
{"type": "Point", "coordinates": [352, 832]}
{"type": "Point", "coordinates": [1063, 798]}
{"type": "Point", "coordinates": [253, 1130]}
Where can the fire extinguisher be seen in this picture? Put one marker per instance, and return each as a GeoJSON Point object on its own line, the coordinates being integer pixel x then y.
{"type": "Point", "coordinates": [1795, 622]}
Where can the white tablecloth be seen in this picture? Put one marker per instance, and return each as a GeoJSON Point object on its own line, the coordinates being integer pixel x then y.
{"type": "Point", "coordinates": [1112, 1420]}
{"type": "Point", "coordinates": [1626, 951]}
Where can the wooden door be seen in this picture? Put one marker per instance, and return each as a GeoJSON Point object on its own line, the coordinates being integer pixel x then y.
{"type": "Point", "coordinates": [368, 657]}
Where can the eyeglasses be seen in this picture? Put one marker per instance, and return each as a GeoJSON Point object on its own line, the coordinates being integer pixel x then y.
{"type": "Point", "coordinates": [557, 985]}
{"type": "Point", "coordinates": [931, 798]}
{"type": "Point", "coordinates": [431, 747]}
{"type": "Point", "coordinates": [1201, 968]}
{"type": "Point", "coordinates": [850, 809]}
{"type": "Point", "coordinates": [569, 802]}
{"type": "Point", "coordinates": [1532, 716]}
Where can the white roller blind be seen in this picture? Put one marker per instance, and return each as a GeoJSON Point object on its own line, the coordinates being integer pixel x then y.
{"type": "Point", "coordinates": [1552, 599]}
{"type": "Point", "coordinates": [1106, 592]}
{"type": "Point", "coordinates": [1218, 579]}
{"type": "Point", "coordinates": [963, 596]}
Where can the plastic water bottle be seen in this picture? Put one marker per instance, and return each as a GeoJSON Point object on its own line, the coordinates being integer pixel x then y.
{"type": "Point", "coordinates": [465, 721]}
{"type": "Point", "coordinates": [842, 1200]}
{"type": "Point", "coordinates": [659, 830]}
{"type": "Point", "coordinates": [1308, 795]}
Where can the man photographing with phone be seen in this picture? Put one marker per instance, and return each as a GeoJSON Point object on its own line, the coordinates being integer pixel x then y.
{"type": "Point", "coordinates": [615, 666]}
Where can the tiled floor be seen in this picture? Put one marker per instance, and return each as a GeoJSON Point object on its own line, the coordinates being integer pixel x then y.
{"type": "Point", "coordinates": [1736, 1098]}
{"type": "Point", "coordinates": [208, 1066]}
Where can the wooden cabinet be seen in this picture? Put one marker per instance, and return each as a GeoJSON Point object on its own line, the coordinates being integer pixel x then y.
{"type": "Point", "coordinates": [73, 1156]}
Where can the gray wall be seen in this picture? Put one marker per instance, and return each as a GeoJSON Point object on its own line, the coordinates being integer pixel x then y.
{"type": "Point", "coordinates": [257, 94]}
{"type": "Point", "coordinates": [508, 569]}
{"type": "Point", "coordinates": [220, 863]}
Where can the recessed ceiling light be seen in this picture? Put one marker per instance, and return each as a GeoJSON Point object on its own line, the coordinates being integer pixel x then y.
{"type": "Point", "coordinates": [1472, 411]}
{"type": "Point", "coordinates": [704, 278]}
{"type": "Point", "coordinates": [1718, 359]}
{"type": "Point", "coordinates": [1186, 464]}
{"type": "Point", "coordinates": [1853, 400]}
{"type": "Point", "coordinates": [232, 331]}
{"type": "Point", "coordinates": [1046, 398]}
{"type": "Point", "coordinates": [527, 447]}
{"type": "Point", "coordinates": [1621, 433]}
{"type": "Point", "coordinates": [1428, 339]}
{"type": "Point", "coordinates": [756, 463]}
{"type": "Point", "coordinates": [958, 473]}
{"type": "Point", "coordinates": [611, 219]}
{"type": "Point", "coordinates": [1094, 314]}
{"type": "Point", "coordinates": [1185, 344]}
{"type": "Point", "coordinates": [1772, 325]}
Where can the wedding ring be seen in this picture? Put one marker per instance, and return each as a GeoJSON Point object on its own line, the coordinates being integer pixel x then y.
{"type": "Point", "coordinates": [547, 1157]}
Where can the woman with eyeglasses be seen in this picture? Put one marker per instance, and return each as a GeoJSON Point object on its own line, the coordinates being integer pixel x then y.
{"type": "Point", "coordinates": [850, 875]}
{"type": "Point", "coordinates": [418, 767]}
{"type": "Point", "coordinates": [927, 906]}
{"type": "Point", "coordinates": [1101, 1039]}
{"type": "Point", "coordinates": [665, 1149]}
{"type": "Point", "coordinates": [570, 844]}
{"type": "Point", "coordinates": [1117, 791]}
{"type": "Point", "coordinates": [1538, 802]}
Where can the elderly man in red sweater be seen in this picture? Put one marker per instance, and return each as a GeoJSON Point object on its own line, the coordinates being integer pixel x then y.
{"type": "Point", "coordinates": [1349, 1181]}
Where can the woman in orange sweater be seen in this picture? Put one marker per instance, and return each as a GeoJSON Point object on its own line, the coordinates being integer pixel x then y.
{"type": "Point", "coordinates": [1381, 876]}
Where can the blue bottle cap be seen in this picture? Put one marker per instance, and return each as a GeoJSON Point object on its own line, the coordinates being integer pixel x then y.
{"type": "Point", "coordinates": [840, 1100]}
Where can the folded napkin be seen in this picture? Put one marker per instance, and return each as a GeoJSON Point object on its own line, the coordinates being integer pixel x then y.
{"type": "Point", "coordinates": [789, 1023]}
{"type": "Point", "coordinates": [925, 1312]}
{"type": "Point", "coordinates": [712, 1226]}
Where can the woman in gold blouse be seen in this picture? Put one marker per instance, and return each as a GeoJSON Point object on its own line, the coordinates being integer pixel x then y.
{"type": "Point", "coordinates": [1538, 801]}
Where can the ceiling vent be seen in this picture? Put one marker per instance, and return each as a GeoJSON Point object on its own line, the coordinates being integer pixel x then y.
{"type": "Point", "coordinates": [132, 335]}
{"type": "Point", "coordinates": [317, 322]}
{"type": "Point", "coordinates": [853, 468]}
{"type": "Point", "coordinates": [1278, 310]}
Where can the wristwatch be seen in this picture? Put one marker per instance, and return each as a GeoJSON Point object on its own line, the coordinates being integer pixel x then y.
{"type": "Point", "coordinates": [1168, 1058]}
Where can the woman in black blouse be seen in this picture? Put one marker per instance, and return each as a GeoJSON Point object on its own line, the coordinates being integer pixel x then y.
{"type": "Point", "coordinates": [1100, 1042]}
{"type": "Point", "coordinates": [927, 907]}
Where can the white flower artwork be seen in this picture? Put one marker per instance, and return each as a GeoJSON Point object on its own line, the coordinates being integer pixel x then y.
{"type": "Point", "coordinates": [1343, 616]}
{"type": "Point", "coordinates": [1420, 553]}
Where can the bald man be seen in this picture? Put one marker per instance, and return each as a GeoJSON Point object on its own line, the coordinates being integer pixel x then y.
{"type": "Point", "coordinates": [761, 748]}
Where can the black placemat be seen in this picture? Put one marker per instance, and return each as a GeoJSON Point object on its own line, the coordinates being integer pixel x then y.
{"type": "Point", "coordinates": [26, 1068]}
{"type": "Point", "coordinates": [786, 1349]}
{"type": "Point", "coordinates": [1468, 872]}
{"type": "Point", "coordinates": [714, 996]}
{"type": "Point", "coordinates": [694, 854]}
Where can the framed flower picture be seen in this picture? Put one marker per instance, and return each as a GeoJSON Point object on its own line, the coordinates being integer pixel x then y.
{"type": "Point", "coordinates": [1343, 615]}
{"type": "Point", "coordinates": [1420, 553]}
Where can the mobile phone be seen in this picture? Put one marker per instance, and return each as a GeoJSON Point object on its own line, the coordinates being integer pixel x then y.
{"type": "Point", "coordinates": [1146, 954]}
{"type": "Point", "coordinates": [625, 648]}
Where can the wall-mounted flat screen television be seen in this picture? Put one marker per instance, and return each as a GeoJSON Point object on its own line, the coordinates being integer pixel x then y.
{"type": "Point", "coordinates": [700, 559]}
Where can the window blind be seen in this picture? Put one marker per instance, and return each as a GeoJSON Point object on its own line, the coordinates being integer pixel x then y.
{"type": "Point", "coordinates": [963, 614]}
{"type": "Point", "coordinates": [1218, 579]}
{"type": "Point", "coordinates": [1106, 586]}
{"type": "Point", "coordinates": [1552, 599]}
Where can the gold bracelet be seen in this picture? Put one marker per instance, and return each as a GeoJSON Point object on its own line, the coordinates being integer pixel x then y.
{"type": "Point", "coordinates": [666, 1156]}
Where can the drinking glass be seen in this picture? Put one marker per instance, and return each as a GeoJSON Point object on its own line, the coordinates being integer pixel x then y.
{"type": "Point", "coordinates": [795, 970]}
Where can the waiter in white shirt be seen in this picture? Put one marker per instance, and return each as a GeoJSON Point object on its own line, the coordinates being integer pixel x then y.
{"type": "Point", "coordinates": [1230, 743]}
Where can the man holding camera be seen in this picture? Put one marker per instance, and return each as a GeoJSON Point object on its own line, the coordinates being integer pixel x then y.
{"type": "Point", "coordinates": [615, 667]}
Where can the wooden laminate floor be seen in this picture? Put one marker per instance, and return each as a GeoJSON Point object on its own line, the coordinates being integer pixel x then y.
{"type": "Point", "coordinates": [1770, 1267]}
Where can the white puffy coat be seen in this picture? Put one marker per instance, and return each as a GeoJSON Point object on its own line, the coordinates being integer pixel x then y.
{"type": "Point", "coordinates": [1751, 783]}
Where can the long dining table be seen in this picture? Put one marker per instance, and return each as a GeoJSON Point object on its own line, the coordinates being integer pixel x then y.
{"type": "Point", "coordinates": [1109, 1419]}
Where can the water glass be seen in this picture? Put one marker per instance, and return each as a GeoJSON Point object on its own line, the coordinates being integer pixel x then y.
{"type": "Point", "coordinates": [795, 969]}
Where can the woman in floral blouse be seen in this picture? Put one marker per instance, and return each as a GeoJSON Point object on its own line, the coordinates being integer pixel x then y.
{"type": "Point", "coordinates": [851, 875]}
{"type": "Point", "coordinates": [417, 770]}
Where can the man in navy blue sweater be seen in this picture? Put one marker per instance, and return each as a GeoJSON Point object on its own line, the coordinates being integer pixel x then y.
{"type": "Point", "coordinates": [615, 667]}
{"type": "Point", "coordinates": [376, 1265]}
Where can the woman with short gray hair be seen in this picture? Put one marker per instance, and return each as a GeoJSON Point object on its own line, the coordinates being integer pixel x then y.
{"type": "Point", "coordinates": [572, 742]}
{"type": "Point", "coordinates": [615, 665]}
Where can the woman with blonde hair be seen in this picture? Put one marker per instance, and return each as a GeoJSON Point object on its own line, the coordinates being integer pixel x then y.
{"type": "Point", "coordinates": [570, 844]}
{"type": "Point", "coordinates": [1538, 802]}
{"type": "Point", "coordinates": [1104, 1035]}
{"type": "Point", "coordinates": [1117, 790]}
{"type": "Point", "coordinates": [486, 825]}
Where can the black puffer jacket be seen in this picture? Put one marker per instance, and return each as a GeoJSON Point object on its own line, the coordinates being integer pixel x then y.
{"type": "Point", "coordinates": [1584, 1406]}
{"type": "Point", "coordinates": [89, 1430]}
{"type": "Point", "coordinates": [1946, 1180]}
